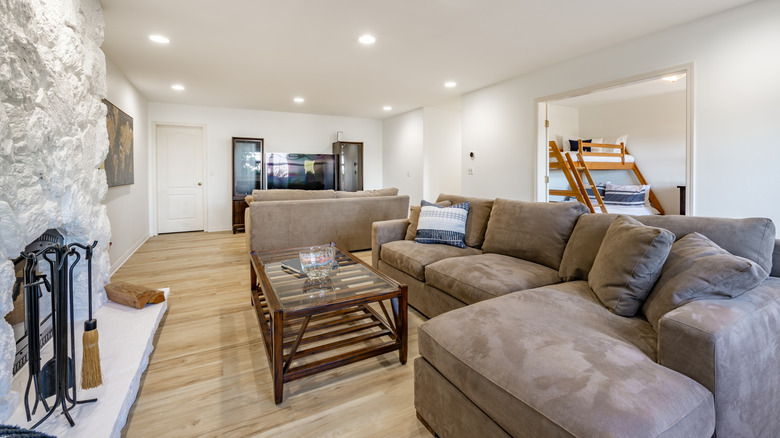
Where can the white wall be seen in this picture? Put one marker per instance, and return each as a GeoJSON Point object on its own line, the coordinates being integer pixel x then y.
{"type": "Point", "coordinates": [736, 104]}
{"type": "Point", "coordinates": [441, 152]}
{"type": "Point", "coordinates": [563, 121]}
{"type": "Point", "coordinates": [282, 132]}
{"type": "Point", "coordinates": [402, 154]}
{"type": "Point", "coordinates": [128, 206]}
{"type": "Point", "coordinates": [656, 138]}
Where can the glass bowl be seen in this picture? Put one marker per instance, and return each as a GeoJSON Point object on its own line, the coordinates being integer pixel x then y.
{"type": "Point", "coordinates": [317, 261]}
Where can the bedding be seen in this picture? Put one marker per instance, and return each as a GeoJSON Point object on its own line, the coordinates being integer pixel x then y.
{"type": "Point", "coordinates": [597, 159]}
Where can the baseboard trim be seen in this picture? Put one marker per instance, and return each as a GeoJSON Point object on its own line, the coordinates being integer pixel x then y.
{"type": "Point", "coordinates": [121, 261]}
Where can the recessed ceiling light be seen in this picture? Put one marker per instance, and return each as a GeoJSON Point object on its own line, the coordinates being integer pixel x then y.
{"type": "Point", "coordinates": [298, 100]}
{"type": "Point", "coordinates": [178, 87]}
{"type": "Point", "coordinates": [451, 84]}
{"type": "Point", "coordinates": [387, 108]}
{"type": "Point", "coordinates": [159, 39]}
{"type": "Point", "coordinates": [673, 78]}
{"type": "Point", "coordinates": [367, 39]}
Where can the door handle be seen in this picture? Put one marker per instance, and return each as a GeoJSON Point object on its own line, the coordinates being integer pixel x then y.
{"type": "Point", "coordinates": [200, 183]}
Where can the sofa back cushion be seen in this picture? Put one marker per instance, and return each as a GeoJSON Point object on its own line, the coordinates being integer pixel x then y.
{"type": "Point", "coordinates": [628, 264]}
{"type": "Point", "coordinates": [698, 269]}
{"type": "Point", "coordinates": [776, 260]}
{"type": "Point", "coordinates": [476, 223]}
{"type": "Point", "coordinates": [533, 231]}
{"type": "Point", "coordinates": [392, 191]}
{"type": "Point", "coordinates": [752, 238]}
{"type": "Point", "coordinates": [291, 194]}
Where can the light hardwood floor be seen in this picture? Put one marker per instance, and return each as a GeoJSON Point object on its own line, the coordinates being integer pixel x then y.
{"type": "Point", "coordinates": [208, 375]}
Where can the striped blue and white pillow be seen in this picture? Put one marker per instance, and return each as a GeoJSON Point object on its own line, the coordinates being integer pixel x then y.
{"type": "Point", "coordinates": [601, 188]}
{"type": "Point", "coordinates": [628, 196]}
{"type": "Point", "coordinates": [446, 225]}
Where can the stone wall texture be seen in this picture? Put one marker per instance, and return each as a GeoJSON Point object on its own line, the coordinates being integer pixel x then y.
{"type": "Point", "coordinates": [52, 142]}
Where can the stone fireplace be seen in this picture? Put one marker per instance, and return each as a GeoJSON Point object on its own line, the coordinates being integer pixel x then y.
{"type": "Point", "coordinates": [52, 142]}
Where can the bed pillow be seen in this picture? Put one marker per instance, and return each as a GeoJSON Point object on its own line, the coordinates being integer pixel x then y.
{"type": "Point", "coordinates": [698, 269]}
{"type": "Point", "coordinates": [601, 188]}
{"type": "Point", "coordinates": [628, 264]}
{"type": "Point", "coordinates": [414, 217]}
{"type": "Point", "coordinates": [445, 225]}
{"type": "Point", "coordinates": [627, 196]}
{"type": "Point", "coordinates": [574, 145]}
{"type": "Point", "coordinates": [566, 142]}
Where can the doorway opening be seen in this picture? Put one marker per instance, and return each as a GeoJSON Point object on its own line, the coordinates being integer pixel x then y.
{"type": "Point", "coordinates": [651, 114]}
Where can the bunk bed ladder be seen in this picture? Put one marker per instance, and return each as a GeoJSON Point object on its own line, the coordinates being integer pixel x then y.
{"type": "Point", "coordinates": [576, 189]}
{"type": "Point", "coordinates": [582, 166]}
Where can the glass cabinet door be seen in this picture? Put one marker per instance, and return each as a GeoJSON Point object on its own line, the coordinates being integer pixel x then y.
{"type": "Point", "coordinates": [247, 165]}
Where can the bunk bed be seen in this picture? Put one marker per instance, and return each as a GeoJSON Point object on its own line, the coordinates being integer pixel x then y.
{"type": "Point", "coordinates": [598, 156]}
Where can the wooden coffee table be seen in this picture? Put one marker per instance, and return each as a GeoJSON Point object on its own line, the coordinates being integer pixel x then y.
{"type": "Point", "coordinates": [310, 325]}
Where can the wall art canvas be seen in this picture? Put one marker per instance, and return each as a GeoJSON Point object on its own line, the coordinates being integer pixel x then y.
{"type": "Point", "coordinates": [119, 161]}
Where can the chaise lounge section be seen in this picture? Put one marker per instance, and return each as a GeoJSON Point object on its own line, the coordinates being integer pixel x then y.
{"type": "Point", "coordinates": [516, 351]}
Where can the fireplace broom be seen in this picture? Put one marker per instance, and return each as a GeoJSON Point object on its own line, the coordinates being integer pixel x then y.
{"type": "Point", "coordinates": [91, 374]}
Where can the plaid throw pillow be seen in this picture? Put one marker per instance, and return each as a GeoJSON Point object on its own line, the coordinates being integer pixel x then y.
{"type": "Point", "coordinates": [445, 225]}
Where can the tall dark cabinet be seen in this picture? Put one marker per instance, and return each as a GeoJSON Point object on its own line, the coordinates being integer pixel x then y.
{"type": "Point", "coordinates": [349, 167]}
{"type": "Point", "coordinates": [247, 175]}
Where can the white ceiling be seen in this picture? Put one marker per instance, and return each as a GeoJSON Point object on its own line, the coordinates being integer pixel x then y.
{"type": "Point", "coordinates": [634, 90]}
{"type": "Point", "coordinates": [259, 54]}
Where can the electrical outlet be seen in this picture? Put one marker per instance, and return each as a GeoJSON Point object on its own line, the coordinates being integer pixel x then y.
{"type": "Point", "coordinates": [471, 171]}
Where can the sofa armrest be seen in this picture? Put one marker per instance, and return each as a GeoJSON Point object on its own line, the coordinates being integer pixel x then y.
{"type": "Point", "coordinates": [776, 260]}
{"type": "Point", "coordinates": [732, 347]}
{"type": "Point", "coordinates": [386, 231]}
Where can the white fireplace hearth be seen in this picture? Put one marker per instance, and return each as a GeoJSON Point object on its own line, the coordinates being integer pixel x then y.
{"type": "Point", "coordinates": [123, 360]}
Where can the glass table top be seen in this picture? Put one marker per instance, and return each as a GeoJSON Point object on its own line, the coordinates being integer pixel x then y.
{"type": "Point", "coordinates": [294, 291]}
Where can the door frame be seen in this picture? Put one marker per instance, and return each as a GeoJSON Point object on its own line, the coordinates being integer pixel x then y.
{"type": "Point", "coordinates": [153, 183]}
{"type": "Point", "coordinates": [542, 166]}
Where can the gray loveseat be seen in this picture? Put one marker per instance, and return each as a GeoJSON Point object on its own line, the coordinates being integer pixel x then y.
{"type": "Point", "coordinates": [524, 347]}
{"type": "Point", "coordinates": [281, 218]}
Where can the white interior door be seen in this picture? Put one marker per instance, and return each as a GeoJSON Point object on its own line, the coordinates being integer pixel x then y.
{"type": "Point", "coordinates": [179, 179]}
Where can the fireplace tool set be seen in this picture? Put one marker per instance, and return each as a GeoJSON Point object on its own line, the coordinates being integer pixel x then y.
{"type": "Point", "coordinates": [57, 376]}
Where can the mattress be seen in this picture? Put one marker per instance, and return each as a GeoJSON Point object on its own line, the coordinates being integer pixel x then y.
{"type": "Point", "coordinates": [597, 158]}
{"type": "Point", "coordinates": [634, 211]}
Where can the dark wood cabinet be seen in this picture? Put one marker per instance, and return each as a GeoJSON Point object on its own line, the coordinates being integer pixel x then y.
{"type": "Point", "coordinates": [239, 206]}
{"type": "Point", "coordinates": [247, 174]}
{"type": "Point", "coordinates": [349, 165]}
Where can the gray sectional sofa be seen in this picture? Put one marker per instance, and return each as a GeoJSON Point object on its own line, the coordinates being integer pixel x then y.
{"type": "Point", "coordinates": [523, 343]}
{"type": "Point", "coordinates": [281, 218]}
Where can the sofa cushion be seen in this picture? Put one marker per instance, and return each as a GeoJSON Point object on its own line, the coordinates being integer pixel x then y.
{"type": "Point", "coordinates": [583, 246]}
{"type": "Point", "coordinates": [752, 238]}
{"type": "Point", "coordinates": [291, 194]}
{"type": "Point", "coordinates": [554, 357]}
{"type": "Point", "coordinates": [479, 277]}
{"type": "Point", "coordinates": [414, 217]}
{"type": "Point", "coordinates": [534, 231]}
{"type": "Point", "coordinates": [699, 269]}
{"type": "Point", "coordinates": [776, 260]}
{"type": "Point", "coordinates": [367, 193]}
{"type": "Point", "coordinates": [412, 258]}
{"type": "Point", "coordinates": [476, 223]}
{"type": "Point", "coordinates": [445, 225]}
{"type": "Point", "coordinates": [628, 264]}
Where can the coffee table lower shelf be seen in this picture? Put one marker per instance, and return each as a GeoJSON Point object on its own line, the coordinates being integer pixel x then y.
{"type": "Point", "coordinates": [316, 339]}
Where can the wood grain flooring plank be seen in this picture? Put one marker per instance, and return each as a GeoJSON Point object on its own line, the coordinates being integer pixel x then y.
{"type": "Point", "coordinates": [208, 375]}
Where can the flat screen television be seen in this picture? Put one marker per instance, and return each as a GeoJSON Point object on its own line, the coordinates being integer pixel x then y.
{"type": "Point", "coordinates": [300, 171]}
